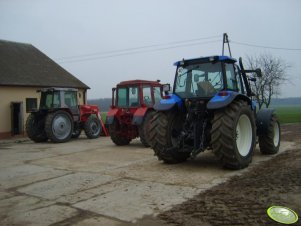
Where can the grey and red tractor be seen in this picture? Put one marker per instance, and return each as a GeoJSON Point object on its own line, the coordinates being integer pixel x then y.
{"type": "Point", "coordinates": [60, 117]}
{"type": "Point", "coordinates": [132, 110]}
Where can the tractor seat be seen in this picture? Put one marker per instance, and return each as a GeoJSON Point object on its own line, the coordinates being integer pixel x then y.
{"type": "Point", "coordinates": [205, 88]}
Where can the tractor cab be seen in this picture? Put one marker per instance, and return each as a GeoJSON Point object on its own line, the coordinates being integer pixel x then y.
{"type": "Point", "coordinates": [54, 98]}
{"type": "Point", "coordinates": [136, 93]}
{"type": "Point", "coordinates": [205, 77]}
{"type": "Point", "coordinates": [132, 108]}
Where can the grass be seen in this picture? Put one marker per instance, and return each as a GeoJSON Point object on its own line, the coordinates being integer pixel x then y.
{"type": "Point", "coordinates": [289, 114]}
{"type": "Point", "coordinates": [286, 114]}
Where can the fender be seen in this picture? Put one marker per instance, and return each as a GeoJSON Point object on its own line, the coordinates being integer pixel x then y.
{"type": "Point", "coordinates": [224, 98]}
{"type": "Point", "coordinates": [139, 116]}
{"type": "Point", "coordinates": [168, 103]}
{"type": "Point", "coordinates": [263, 120]}
{"type": "Point", "coordinates": [110, 116]}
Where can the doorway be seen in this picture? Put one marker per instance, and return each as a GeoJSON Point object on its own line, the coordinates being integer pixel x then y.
{"type": "Point", "coordinates": [16, 118]}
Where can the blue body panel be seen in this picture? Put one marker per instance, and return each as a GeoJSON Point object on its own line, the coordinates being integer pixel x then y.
{"type": "Point", "coordinates": [167, 104]}
{"type": "Point", "coordinates": [220, 101]}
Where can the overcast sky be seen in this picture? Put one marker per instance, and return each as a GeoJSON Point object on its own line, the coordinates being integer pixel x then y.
{"type": "Point", "coordinates": [86, 37]}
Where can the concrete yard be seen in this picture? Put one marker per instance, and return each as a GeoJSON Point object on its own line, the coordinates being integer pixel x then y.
{"type": "Point", "coordinates": [94, 182]}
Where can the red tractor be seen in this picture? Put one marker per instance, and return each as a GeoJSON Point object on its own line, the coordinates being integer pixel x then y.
{"type": "Point", "coordinates": [59, 117]}
{"type": "Point", "coordinates": [132, 110]}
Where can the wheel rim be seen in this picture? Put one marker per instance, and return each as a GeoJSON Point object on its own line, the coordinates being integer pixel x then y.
{"type": "Point", "coordinates": [94, 127]}
{"type": "Point", "coordinates": [276, 134]}
{"type": "Point", "coordinates": [61, 126]}
{"type": "Point", "coordinates": [244, 135]}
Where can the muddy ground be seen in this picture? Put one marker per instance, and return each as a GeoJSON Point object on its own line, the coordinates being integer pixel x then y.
{"type": "Point", "coordinates": [244, 200]}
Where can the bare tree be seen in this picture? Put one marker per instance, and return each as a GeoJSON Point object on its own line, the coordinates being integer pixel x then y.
{"type": "Point", "coordinates": [274, 73]}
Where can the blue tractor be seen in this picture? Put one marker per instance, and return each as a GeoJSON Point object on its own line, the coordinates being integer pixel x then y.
{"type": "Point", "coordinates": [211, 107]}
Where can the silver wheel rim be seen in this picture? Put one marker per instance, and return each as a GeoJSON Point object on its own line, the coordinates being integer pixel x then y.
{"type": "Point", "coordinates": [244, 135]}
{"type": "Point", "coordinates": [95, 128]}
{"type": "Point", "coordinates": [61, 126]}
{"type": "Point", "coordinates": [276, 134]}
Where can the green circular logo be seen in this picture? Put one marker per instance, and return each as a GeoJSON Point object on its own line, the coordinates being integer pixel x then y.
{"type": "Point", "coordinates": [282, 214]}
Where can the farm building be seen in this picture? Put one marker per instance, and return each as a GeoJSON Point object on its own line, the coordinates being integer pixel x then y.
{"type": "Point", "coordinates": [23, 70]}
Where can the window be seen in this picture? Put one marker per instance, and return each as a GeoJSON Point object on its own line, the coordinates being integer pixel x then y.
{"type": "Point", "coordinates": [230, 76]}
{"type": "Point", "coordinates": [133, 97]}
{"type": "Point", "coordinates": [70, 99]}
{"type": "Point", "coordinates": [31, 104]}
{"type": "Point", "coordinates": [122, 97]}
{"type": "Point", "coordinates": [147, 96]}
{"type": "Point", "coordinates": [50, 100]}
{"type": "Point", "coordinates": [239, 80]}
{"type": "Point", "coordinates": [157, 94]}
{"type": "Point", "coordinates": [199, 80]}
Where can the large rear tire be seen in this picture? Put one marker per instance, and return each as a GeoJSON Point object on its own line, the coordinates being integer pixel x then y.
{"type": "Point", "coordinates": [59, 126]}
{"type": "Point", "coordinates": [233, 135]}
{"type": "Point", "coordinates": [269, 142]}
{"type": "Point", "coordinates": [35, 128]}
{"type": "Point", "coordinates": [164, 130]}
{"type": "Point", "coordinates": [115, 130]}
{"type": "Point", "coordinates": [92, 127]}
{"type": "Point", "coordinates": [144, 129]}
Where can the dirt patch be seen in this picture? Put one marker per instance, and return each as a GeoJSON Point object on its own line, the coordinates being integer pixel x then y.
{"type": "Point", "coordinates": [243, 200]}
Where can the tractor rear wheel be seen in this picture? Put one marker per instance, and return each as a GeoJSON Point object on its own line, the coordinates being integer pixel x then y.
{"type": "Point", "coordinates": [92, 127]}
{"type": "Point", "coordinates": [59, 126]}
{"type": "Point", "coordinates": [233, 135]}
{"type": "Point", "coordinates": [35, 128]}
{"type": "Point", "coordinates": [269, 142]}
{"type": "Point", "coordinates": [165, 127]}
{"type": "Point", "coordinates": [144, 129]}
{"type": "Point", "coordinates": [115, 133]}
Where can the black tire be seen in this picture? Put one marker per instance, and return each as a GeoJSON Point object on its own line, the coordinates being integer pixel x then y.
{"type": "Point", "coordinates": [115, 133]}
{"type": "Point", "coordinates": [144, 129]}
{"type": "Point", "coordinates": [76, 133]}
{"type": "Point", "coordinates": [233, 135]}
{"type": "Point", "coordinates": [35, 128]}
{"type": "Point", "coordinates": [269, 142]}
{"type": "Point", "coordinates": [92, 127]}
{"type": "Point", "coordinates": [163, 132]}
{"type": "Point", "coordinates": [59, 126]}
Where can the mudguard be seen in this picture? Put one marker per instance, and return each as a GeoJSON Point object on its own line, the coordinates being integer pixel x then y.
{"type": "Point", "coordinates": [168, 103]}
{"type": "Point", "coordinates": [263, 119]}
{"type": "Point", "coordinates": [139, 116]}
{"type": "Point", "coordinates": [224, 98]}
{"type": "Point", "coordinates": [110, 116]}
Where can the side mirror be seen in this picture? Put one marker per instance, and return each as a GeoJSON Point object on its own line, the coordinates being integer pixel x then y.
{"type": "Point", "coordinates": [258, 72]}
{"type": "Point", "coordinates": [166, 87]}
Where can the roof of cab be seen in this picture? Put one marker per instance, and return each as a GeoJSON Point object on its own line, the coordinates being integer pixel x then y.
{"type": "Point", "coordinates": [207, 59]}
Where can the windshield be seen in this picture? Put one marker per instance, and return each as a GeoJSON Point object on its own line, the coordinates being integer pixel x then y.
{"type": "Point", "coordinates": [50, 99]}
{"type": "Point", "coordinates": [198, 80]}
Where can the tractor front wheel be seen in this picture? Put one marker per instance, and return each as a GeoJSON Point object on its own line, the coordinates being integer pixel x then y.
{"type": "Point", "coordinates": [35, 128]}
{"type": "Point", "coordinates": [269, 142]}
{"type": "Point", "coordinates": [144, 129]}
{"type": "Point", "coordinates": [115, 133]}
{"type": "Point", "coordinates": [233, 135]}
{"type": "Point", "coordinates": [165, 128]}
{"type": "Point", "coordinates": [92, 127]}
{"type": "Point", "coordinates": [59, 126]}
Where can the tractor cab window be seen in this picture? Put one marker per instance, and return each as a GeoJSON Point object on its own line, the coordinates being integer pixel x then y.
{"type": "Point", "coordinates": [133, 97]}
{"type": "Point", "coordinates": [70, 99]}
{"type": "Point", "coordinates": [199, 80]}
{"type": "Point", "coordinates": [122, 97]}
{"type": "Point", "coordinates": [239, 80]}
{"type": "Point", "coordinates": [50, 100]}
{"type": "Point", "coordinates": [157, 94]}
{"type": "Point", "coordinates": [231, 77]}
{"type": "Point", "coordinates": [147, 96]}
